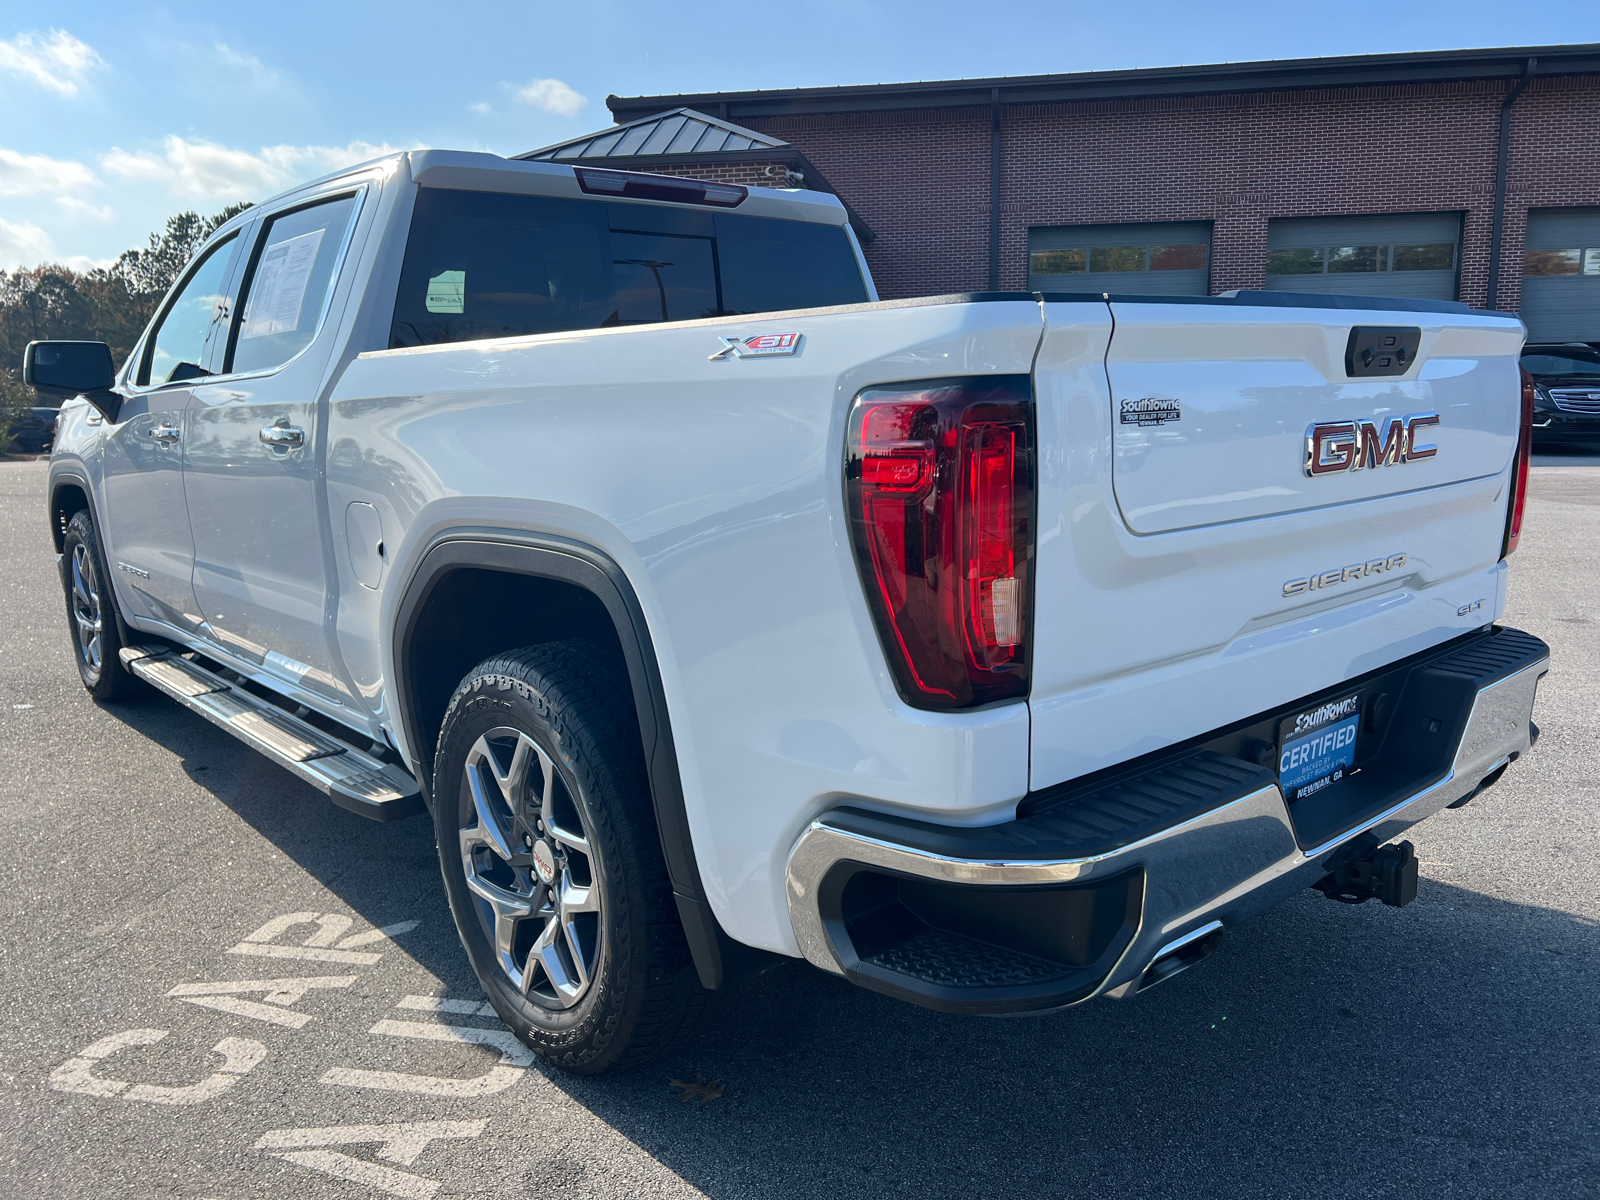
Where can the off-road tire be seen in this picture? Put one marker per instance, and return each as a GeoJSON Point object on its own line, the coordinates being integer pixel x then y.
{"type": "Point", "coordinates": [573, 701]}
{"type": "Point", "coordinates": [106, 679]}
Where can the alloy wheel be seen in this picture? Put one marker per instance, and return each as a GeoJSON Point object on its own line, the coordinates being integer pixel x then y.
{"type": "Point", "coordinates": [86, 611]}
{"type": "Point", "coordinates": [531, 869]}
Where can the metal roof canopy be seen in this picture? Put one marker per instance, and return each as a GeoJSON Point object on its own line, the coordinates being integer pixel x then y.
{"type": "Point", "coordinates": [677, 131]}
{"type": "Point", "coordinates": [684, 137]}
{"type": "Point", "coordinates": [1364, 70]}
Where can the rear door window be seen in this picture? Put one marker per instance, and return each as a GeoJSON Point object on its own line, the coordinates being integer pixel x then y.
{"type": "Point", "coordinates": [288, 284]}
{"type": "Point", "coordinates": [485, 265]}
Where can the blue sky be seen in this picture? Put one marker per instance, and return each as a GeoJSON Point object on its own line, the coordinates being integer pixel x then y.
{"type": "Point", "coordinates": [114, 114]}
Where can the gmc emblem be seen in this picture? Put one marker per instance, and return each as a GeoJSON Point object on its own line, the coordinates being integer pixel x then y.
{"type": "Point", "coordinates": [1355, 445]}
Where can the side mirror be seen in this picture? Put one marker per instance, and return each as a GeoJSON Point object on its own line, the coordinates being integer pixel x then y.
{"type": "Point", "coordinates": [68, 369]}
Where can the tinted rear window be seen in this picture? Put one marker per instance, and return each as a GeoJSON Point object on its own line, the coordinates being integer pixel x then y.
{"type": "Point", "coordinates": [483, 265]}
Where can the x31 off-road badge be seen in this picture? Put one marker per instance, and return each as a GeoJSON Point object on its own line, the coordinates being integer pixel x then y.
{"type": "Point", "coordinates": [766, 345]}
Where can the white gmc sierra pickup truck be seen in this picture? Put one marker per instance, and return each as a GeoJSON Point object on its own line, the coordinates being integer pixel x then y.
{"type": "Point", "coordinates": [991, 651]}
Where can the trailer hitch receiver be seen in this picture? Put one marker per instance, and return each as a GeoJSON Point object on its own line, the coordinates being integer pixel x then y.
{"type": "Point", "coordinates": [1364, 871]}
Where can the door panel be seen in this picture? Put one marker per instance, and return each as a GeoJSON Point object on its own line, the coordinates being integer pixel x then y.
{"type": "Point", "coordinates": [252, 483]}
{"type": "Point", "coordinates": [1149, 259]}
{"type": "Point", "coordinates": [1403, 254]}
{"type": "Point", "coordinates": [150, 547]}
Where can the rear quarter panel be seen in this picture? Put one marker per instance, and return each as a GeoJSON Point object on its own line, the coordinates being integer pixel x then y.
{"type": "Point", "coordinates": [716, 487]}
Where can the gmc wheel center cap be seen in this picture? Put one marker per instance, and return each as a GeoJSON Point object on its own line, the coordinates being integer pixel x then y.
{"type": "Point", "coordinates": [544, 861]}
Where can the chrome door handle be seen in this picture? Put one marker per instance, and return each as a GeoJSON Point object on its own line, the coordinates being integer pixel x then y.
{"type": "Point", "coordinates": [165, 435]}
{"type": "Point", "coordinates": [283, 437]}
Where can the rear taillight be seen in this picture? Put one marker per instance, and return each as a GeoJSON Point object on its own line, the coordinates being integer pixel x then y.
{"type": "Point", "coordinates": [939, 478]}
{"type": "Point", "coordinates": [1519, 470]}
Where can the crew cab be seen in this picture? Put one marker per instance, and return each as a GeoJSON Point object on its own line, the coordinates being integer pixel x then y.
{"type": "Point", "coordinates": [991, 651]}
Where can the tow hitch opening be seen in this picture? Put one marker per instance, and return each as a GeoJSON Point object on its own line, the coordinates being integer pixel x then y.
{"type": "Point", "coordinates": [1364, 871]}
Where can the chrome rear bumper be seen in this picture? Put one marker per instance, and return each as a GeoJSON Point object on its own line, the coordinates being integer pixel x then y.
{"type": "Point", "coordinates": [1226, 865]}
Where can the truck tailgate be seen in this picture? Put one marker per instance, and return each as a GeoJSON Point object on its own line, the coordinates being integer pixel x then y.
{"type": "Point", "coordinates": [1178, 528]}
{"type": "Point", "coordinates": [1213, 406]}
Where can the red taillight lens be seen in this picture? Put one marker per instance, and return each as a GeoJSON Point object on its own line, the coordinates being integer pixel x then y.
{"type": "Point", "coordinates": [940, 483]}
{"type": "Point", "coordinates": [1519, 470]}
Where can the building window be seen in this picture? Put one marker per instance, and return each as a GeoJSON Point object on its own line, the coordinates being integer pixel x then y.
{"type": "Point", "coordinates": [1294, 262]}
{"type": "Point", "coordinates": [1056, 262]}
{"type": "Point", "coordinates": [1436, 256]}
{"type": "Point", "coordinates": [1116, 258]}
{"type": "Point", "coordinates": [1334, 260]}
{"type": "Point", "coordinates": [1562, 262]}
{"type": "Point", "coordinates": [1190, 257]}
{"type": "Point", "coordinates": [1357, 258]}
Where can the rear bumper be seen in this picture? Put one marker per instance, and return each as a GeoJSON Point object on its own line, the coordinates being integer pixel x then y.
{"type": "Point", "coordinates": [1081, 898]}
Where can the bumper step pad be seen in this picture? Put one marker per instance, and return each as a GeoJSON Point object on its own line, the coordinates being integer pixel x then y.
{"type": "Point", "coordinates": [1098, 882]}
{"type": "Point", "coordinates": [351, 778]}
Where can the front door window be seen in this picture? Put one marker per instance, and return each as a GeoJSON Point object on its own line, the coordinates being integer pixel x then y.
{"type": "Point", "coordinates": [177, 348]}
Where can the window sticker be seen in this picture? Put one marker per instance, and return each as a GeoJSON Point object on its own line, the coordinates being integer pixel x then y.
{"type": "Point", "coordinates": [447, 292]}
{"type": "Point", "coordinates": [279, 290]}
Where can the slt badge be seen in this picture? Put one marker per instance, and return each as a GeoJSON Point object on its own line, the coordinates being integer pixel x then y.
{"type": "Point", "coordinates": [1336, 446]}
{"type": "Point", "coordinates": [766, 345]}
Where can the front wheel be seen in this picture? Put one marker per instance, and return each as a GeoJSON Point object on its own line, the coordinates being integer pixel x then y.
{"type": "Point", "coordinates": [551, 860]}
{"type": "Point", "coordinates": [91, 612]}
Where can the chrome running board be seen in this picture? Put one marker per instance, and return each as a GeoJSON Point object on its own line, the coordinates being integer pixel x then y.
{"type": "Point", "coordinates": [351, 778]}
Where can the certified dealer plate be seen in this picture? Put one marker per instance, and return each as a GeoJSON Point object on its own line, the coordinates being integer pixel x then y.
{"type": "Point", "coordinates": [1318, 747]}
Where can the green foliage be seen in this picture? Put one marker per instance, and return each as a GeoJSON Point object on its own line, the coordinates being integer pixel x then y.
{"type": "Point", "coordinates": [111, 304]}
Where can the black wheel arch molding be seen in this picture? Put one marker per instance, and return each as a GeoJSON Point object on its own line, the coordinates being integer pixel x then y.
{"type": "Point", "coordinates": [63, 477]}
{"type": "Point", "coordinates": [589, 569]}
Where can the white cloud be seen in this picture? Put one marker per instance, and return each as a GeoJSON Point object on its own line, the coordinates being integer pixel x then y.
{"type": "Point", "coordinates": [239, 61]}
{"type": "Point", "coordinates": [553, 96]}
{"type": "Point", "coordinates": [22, 245]}
{"type": "Point", "coordinates": [55, 60]}
{"type": "Point", "coordinates": [482, 106]}
{"type": "Point", "coordinates": [36, 174]}
{"type": "Point", "coordinates": [83, 210]}
{"type": "Point", "coordinates": [206, 170]}
{"type": "Point", "coordinates": [83, 263]}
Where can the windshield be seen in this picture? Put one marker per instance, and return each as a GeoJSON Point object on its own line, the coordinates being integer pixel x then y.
{"type": "Point", "coordinates": [1540, 365]}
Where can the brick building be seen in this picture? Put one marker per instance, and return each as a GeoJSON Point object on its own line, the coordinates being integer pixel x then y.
{"type": "Point", "coordinates": [1457, 174]}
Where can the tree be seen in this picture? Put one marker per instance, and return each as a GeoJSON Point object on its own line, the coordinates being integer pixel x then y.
{"type": "Point", "coordinates": [111, 305]}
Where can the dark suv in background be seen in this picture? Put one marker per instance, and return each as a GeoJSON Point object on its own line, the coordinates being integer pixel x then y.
{"type": "Point", "coordinates": [34, 430]}
{"type": "Point", "coordinates": [1566, 392]}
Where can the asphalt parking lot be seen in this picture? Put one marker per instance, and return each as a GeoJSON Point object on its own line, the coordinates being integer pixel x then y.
{"type": "Point", "coordinates": [1447, 1049]}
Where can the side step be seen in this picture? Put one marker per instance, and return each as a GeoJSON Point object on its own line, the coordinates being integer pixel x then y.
{"type": "Point", "coordinates": [352, 779]}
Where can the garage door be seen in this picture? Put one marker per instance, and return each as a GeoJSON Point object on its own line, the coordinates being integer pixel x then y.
{"type": "Point", "coordinates": [1406, 254]}
{"type": "Point", "coordinates": [1170, 259]}
{"type": "Point", "coordinates": [1561, 275]}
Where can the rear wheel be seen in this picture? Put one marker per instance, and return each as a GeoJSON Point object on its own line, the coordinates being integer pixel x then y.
{"type": "Point", "coordinates": [91, 612]}
{"type": "Point", "coordinates": [551, 860]}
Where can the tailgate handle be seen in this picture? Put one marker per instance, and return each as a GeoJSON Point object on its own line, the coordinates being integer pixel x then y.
{"type": "Point", "coordinates": [1381, 350]}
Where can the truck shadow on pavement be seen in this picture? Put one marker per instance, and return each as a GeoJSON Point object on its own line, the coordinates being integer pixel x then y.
{"type": "Point", "coordinates": [383, 872]}
{"type": "Point", "coordinates": [1445, 1048]}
